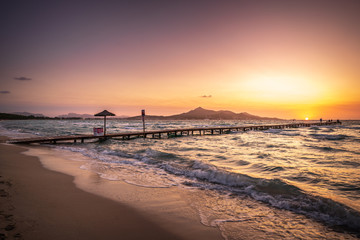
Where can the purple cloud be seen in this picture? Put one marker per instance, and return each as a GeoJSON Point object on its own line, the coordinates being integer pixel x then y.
{"type": "Point", "coordinates": [22, 78]}
{"type": "Point", "coordinates": [4, 92]}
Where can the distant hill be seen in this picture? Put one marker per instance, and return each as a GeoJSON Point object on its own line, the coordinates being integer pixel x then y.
{"type": "Point", "coordinates": [148, 117]}
{"type": "Point", "coordinates": [201, 113]}
{"type": "Point", "coordinates": [11, 116]}
{"type": "Point", "coordinates": [76, 115]}
{"type": "Point", "coordinates": [27, 114]}
{"type": "Point", "coordinates": [84, 116]}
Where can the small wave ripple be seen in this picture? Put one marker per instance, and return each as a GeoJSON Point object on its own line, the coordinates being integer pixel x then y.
{"type": "Point", "coordinates": [329, 136]}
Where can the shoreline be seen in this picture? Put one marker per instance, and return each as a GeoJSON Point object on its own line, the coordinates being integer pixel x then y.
{"type": "Point", "coordinates": [42, 203]}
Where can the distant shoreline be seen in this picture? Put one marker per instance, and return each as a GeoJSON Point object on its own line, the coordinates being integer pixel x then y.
{"type": "Point", "coordinates": [126, 119]}
{"type": "Point", "coordinates": [195, 114]}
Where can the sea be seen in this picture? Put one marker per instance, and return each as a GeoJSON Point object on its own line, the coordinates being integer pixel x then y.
{"type": "Point", "coordinates": [297, 183]}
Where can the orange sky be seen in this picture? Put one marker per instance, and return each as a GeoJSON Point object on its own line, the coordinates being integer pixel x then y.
{"type": "Point", "coordinates": [269, 58]}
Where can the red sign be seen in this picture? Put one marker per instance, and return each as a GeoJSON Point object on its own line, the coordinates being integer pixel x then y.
{"type": "Point", "coordinates": [98, 132]}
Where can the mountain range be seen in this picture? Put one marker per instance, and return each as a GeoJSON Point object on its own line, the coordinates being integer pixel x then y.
{"type": "Point", "coordinates": [195, 114]}
{"type": "Point", "coordinates": [28, 114]}
{"type": "Point", "coordinates": [76, 115]}
{"type": "Point", "coordinates": [201, 113]}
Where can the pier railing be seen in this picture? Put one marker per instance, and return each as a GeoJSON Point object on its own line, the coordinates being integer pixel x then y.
{"type": "Point", "coordinates": [158, 134]}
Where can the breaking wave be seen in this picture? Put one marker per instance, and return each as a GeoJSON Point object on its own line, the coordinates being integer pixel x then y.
{"type": "Point", "coordinates": [274, 192]}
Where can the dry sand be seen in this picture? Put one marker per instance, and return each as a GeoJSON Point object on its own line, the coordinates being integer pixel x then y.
{"type": "Point", "coordinates": [37, 203]}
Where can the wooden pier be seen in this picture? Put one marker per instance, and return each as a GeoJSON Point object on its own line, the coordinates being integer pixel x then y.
{"type": "Point", "coordinates": [165, 133]}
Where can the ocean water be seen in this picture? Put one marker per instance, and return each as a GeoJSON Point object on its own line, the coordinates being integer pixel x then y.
{"type": "Point", "coordinates": [300, 183]}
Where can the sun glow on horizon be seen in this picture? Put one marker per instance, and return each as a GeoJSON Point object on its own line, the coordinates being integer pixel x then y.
{"type": "Point", "coordinates": [277, 88]}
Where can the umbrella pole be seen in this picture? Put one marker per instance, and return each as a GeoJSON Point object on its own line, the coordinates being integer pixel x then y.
{"type": "Point", "coordinates": [104, 125]}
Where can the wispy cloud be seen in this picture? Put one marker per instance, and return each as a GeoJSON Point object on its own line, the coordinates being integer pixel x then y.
{"type": "Point", "coordinates": [206, 96]}
{"type": "Point", "coordinates": [4, 92]}
{"type": "Point", "coordinates": [22, 78]}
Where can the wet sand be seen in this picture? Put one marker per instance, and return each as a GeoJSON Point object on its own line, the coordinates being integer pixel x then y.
{"type": "Point", "coordinates": [37, 203]}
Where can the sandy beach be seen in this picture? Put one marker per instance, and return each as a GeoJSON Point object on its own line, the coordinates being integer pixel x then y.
{"type": "Point", "coordinates": [37, 203]}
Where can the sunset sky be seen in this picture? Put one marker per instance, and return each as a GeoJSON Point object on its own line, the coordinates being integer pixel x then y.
{"type": "Point", "coordinates": [287, 59]}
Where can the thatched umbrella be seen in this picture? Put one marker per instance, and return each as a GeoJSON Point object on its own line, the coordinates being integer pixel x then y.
{"type": "Point", "coordinates": [104, 113]}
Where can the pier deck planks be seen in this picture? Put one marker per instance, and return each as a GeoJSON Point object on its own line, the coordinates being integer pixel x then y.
{"type": "Point", "coordinates": [168, 133]}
